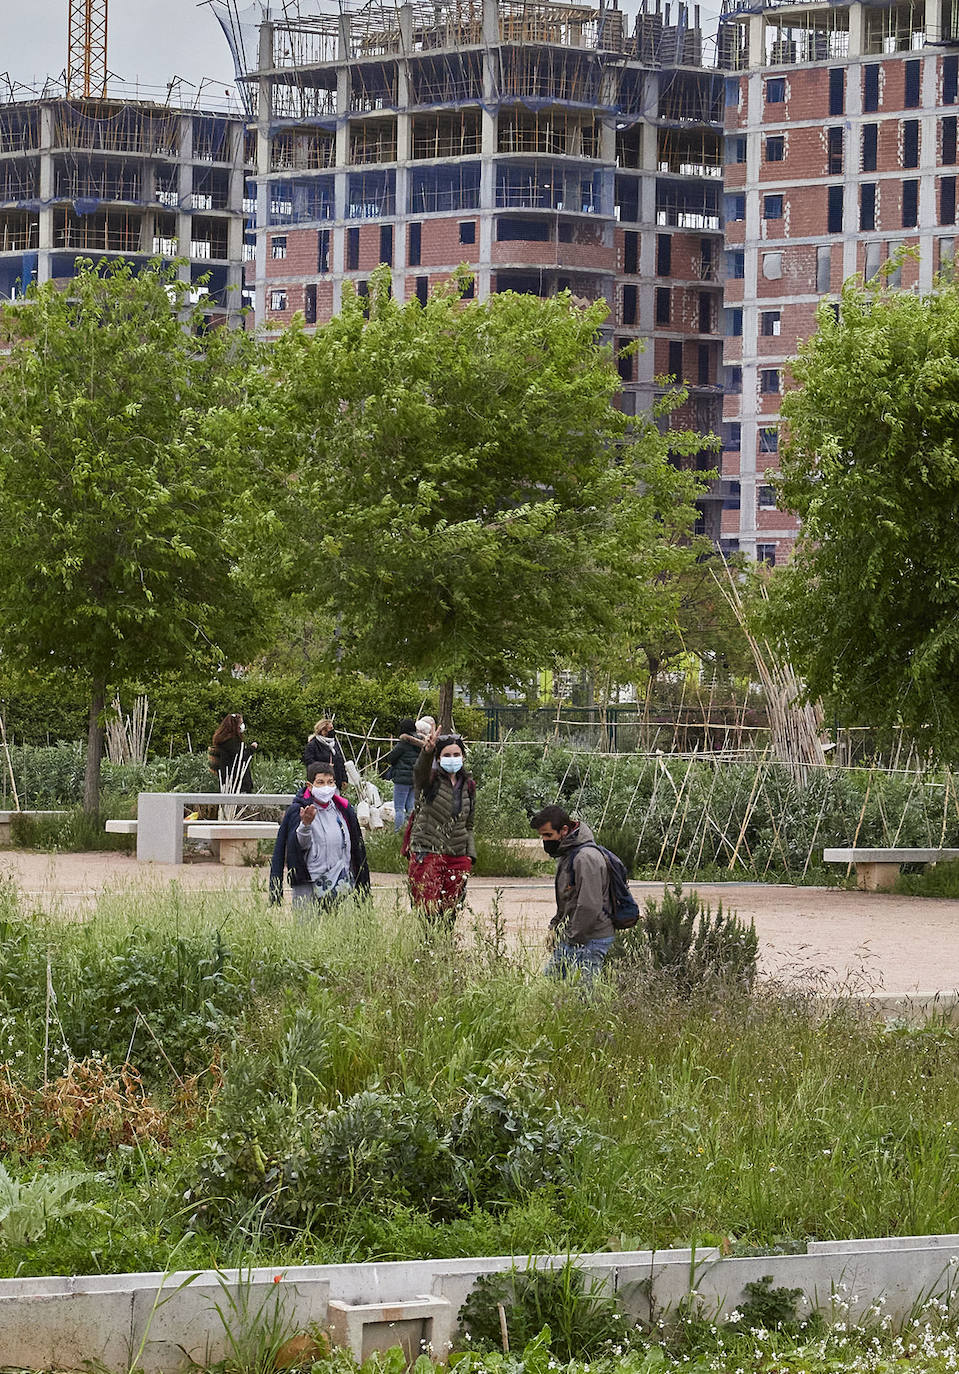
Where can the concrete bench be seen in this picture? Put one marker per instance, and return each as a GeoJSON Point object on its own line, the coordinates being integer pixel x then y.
{"type": "Point", "coordinates": [160, 825]}
{"type": "Point", "coordinates": [878, 869]}
{"type": "Point", "coordinates": [121, 827]}
{"type": "Point", "coordinates": [232, 842]}
{"type": "Point", "coordinates": [7, 816]}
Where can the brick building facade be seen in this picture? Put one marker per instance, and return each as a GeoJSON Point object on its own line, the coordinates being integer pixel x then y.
{"type": "Point", "coordinates": [840, 147]}
{"type": "Point", "coordinates": [544, 145]}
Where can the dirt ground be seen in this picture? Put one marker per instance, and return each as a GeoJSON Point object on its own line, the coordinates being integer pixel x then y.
{"type": "Point", "coordinates": [873, 944]}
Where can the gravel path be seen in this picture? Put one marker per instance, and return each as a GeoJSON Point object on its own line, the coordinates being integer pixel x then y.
{"type": "Point", "coordinates": [865, 943]}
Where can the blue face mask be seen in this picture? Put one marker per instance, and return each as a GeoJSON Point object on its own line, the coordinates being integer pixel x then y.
{"type": "Point", "coordinates": [452, 764]}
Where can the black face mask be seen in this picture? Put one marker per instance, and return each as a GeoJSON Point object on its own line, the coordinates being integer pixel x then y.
{"type": "Point", "coordinates": [552, 847]}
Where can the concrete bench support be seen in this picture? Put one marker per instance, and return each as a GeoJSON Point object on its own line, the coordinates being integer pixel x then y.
{"type": "Point", "coordinates": [421, 1326]}
{"type": "Point", "coordinates": [160, 818]}
{"type": "Point", "coordinates": [878, 869]}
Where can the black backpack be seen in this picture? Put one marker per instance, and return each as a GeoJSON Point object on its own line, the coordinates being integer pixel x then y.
{"type": "Point", "coordinates": [625, 911]}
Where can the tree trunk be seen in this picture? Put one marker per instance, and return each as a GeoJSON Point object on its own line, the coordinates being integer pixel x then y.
{"type": "Point", "coordinates": [446, 706]}
{"type": "Point", "coordinates": [91, 776]}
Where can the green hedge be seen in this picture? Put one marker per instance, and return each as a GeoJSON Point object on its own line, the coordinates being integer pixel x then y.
{"type": "Point", "coordinates": [40, 709]}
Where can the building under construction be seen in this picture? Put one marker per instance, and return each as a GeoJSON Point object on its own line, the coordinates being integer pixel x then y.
{"type": "Point", "coordinates": [101, 177]}
{"type": "Point", "coordinates": [546, 145]}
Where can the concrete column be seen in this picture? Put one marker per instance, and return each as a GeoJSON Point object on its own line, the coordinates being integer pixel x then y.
{"type": "Point", "coordinates": [264, 110]}
{"type": "Point", "coordinates": [933, 21]}
{"type": "Point", "coordinates": [46, 194]}
{"type": "Point", "coordinates": [757, 40]}
{"type": "Point", "coordinates": [856, 33]}
{"type": "Point", "coordinates": [341, 152]}
{"type": "Point", "coordinates": [184, 220]}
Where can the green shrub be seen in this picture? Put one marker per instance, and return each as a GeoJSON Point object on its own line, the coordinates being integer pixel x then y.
{"type": "Point", "coordinates": [583, 1319]}
{"type": "Point", "coordinates": [683, 939]}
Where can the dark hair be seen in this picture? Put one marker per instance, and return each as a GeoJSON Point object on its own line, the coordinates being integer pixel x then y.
{"type": "Point", "coordinates": [228, 728]}
{"type": "Point", "coordinates": [407, 726]}
{"type": "Point", "coordinates": [553, 816]}
{"type": "Point", "coordinates": [444, 741]}
{"type": "Point", "coordinates": [313, 769]}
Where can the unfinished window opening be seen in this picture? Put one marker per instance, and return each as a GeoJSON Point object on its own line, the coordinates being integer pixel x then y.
{"type": "Point", "coordinates": [735, 149]}
{"type": "Point", "coordinates": [664, 254]}
{"type": "Point", "coordinates": [629, 147]}
{"type": "Point", "coordinates": [414, 241]}
{"type": "Point", "coordinates": [79, 179]}
{"type": "Point", "coordinates": [691, 97]}
{"type": "Point", "coordinates": [769, 381]}
{"type": "Point", "coordinates": [834, 210]}
{"type": "Point", "coordinates": [770, 323]}
{"type": "Point", "coordinates": [870, 147]}
{"type": "Point", "coordinates": [807, 36]}
{"type": "Point", "coordinates": [766, 553]}
{"type": "Point", "coordinates": [302, 150]}
{"type": "Point", "coordinates": [323, 251]}
{"type": "Point", "coordinates": [947, 200]}
{"type": "Point", "coordinates": [867, 205]}
{"type": "Point", "coordinates": [769, 440]}
{"type": "Point", "coordinates": [690, 153]}
{"type": "Point", "coordinates": [549, 73]}
{"type": "Point", "coordinates": [775, 148]}
{"type": "Point", "coordinates": [910, 143]}
{"type": "Point", "coordinates": [823, 269]}
{"type": "Point", "coordinates": [547, 131]}
{"type": "Point", "coordinates": [870, 87]}
{"type": "Point", "coordinates": [834, 151]}
{"type": "Point", "coordinates": [298, 202]}
{"type": "Point", "coordinates": [950, 76]}
{"type": "Point", "coordinates": [435, 80]}
{"type": "Point", "coordinates": [910, 204]}
{"type": "Point", "coordinates": [370, 195]}
{"type": "Point", "coordinates": [106, 231]}
{"type": "Point", "coordinates": [630, 251]}
{"type": "Point", "coordinates": [373, 140]}
{"type": "Point", "coordinates": [455, 134]}
{"type": "Point", "coordinates": [772, 266]}
{"type": "Point", "coordinates": [278, 300]}
{"type": "Point", "coordinates": [546, 186]}
{"type": "Point", "coordinates": [733, 322]}
{"type": "Point", "coordinates": [629, 305]}
{"type": "Point", "coordinates": [115, 127]}
{"type": "Point", "coordinates": [278, 247]}
{"type": "Point", "coordinates": [735, 264]}
{"type": "Point", "coordinates": [468, 231]}
{"type": "Point", "coordinates": [352, 250]}
{"type": "Point", "coordinates": [767, 496]}
{"type": "Point", "coordinates": [949, 140]}
{"type": "Point", "coordinates": [309, 303]}
{"type": "Point", "coordinates": [873, 260]}
{"type": "Point", "coordinates": [373, 88]}
{"type": "Point", "coordinates": [437, 189]}
{"type": "Point", "coordinates": [386, 244]}
{"type": "Point", "coordinates": [688, 205]}
{"type": "Point", "coordinates": [663, 305]}
{"type": "Point", "coordinates": [704, 365]}
{"type": "Point", "coordinates": [529, 229]}
{"type": "Point", "coordinates": [894, 28]}
{"type": "Point", "coordinates": [772, 207]}
{"type": "Point", "coordinates": [674, 365]}
{"type": "Point", "coordinates": [301, 100]}
{"type": "Point", "coordinates": [19, 231]}
{"type": "Point", "coordinates": [837, 91]}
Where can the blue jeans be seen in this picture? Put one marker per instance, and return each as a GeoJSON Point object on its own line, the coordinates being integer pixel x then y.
{"type": "Point", "coordinates": [582, 961]}
{"type": "Point", "coordinates": [403, 803]}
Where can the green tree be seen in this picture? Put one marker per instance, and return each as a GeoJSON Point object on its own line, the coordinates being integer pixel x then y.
{"type": "Point", "coordinates": [868, 607]}
{"type": "Point", "coordinates": [475, 507]}
{"type": "Point", "coordinates": [121, 510]}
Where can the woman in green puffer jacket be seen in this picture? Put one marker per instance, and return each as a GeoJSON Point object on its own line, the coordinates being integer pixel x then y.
{"type": "Point", "coordinates": [442, 844]}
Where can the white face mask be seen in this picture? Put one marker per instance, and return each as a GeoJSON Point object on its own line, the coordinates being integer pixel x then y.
{"type": "Point", "coordinates": [323, 794]}
{"type": "Point", "coordinates": [452, 763]}
{"type": "Point", "coordinates": [242, 728]}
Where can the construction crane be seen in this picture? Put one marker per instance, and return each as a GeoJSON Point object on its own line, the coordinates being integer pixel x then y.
{"type": "Point", "coordinates": [87, 48]}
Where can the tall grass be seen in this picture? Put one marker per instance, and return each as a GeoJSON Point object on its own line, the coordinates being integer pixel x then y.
{"type": "Point", "coordinates": [549, 1121]}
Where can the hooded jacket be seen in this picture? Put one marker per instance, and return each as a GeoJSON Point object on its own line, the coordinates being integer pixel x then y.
{"type": "Point", "coordinates": [583, 901]}
{"type": "Point", "coordinates": [290, 856]}
{"type": "Point", "coordinates": [440, 826]}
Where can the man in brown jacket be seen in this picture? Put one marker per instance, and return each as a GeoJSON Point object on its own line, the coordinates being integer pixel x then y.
{"type": "Point", "coordinates": [582, 924]}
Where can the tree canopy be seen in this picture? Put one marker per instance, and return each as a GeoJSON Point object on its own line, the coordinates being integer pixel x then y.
{"type": "Point", "coordinates": [472, 505]}
{"type": "Point", "coordinates": [869, 605]}
{"type": "Point", "coordinates": [121, 511]}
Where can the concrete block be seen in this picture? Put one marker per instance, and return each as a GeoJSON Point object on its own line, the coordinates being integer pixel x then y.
{"type": "Point", "coordinates": [67, 1330]}
{"type": "Point", "coordinates": [187, 1321]}
{"type": "Point", "coordinates": [422, 1324]}
{"type": "Point", "coordinates": [873, 1243]}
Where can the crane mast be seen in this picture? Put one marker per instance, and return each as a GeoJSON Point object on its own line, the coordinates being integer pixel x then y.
{"type": "Point", "coordinates": [87, 48]}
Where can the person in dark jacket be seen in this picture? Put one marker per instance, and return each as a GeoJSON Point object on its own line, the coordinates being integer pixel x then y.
{"type": "Point", "coordinates": [319, 845]}
{"type": "Point", "coordinates": [231, 758]}
{"type": "Point", "coordinates": [398, 766]}
{"type": "Point", "coordinates": [582, 925]}
{"type": "Point", "coordinates": [442, 845]}
{"type": "Point", "coordinates": [324, 747]}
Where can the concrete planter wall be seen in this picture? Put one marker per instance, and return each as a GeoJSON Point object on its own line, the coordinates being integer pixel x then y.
{"type": "Point", "coordinates": [164, 1322]}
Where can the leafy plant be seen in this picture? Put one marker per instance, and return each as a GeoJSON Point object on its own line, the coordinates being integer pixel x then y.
{"type": "Point", "coordinates": [683, 939]}
{"type": "Point", "coordinates": [28, 1207]}
{"type": "Point", "coordinates": [580, 1318]}
{"type": "Point", "coordinates": [769, 1308]}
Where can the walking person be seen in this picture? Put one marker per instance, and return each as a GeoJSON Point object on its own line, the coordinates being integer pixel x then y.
{"type": "Point", "coordinates": [583, 925]}
{"type": "Point", "coordinates": [319, 846]}
{"type": "Point", "coordinates": [323, 747]}
{"type": "Point", "coordinates": [230, 757]}
{"type": "Point", "coordinates": [442, 848]}
{"type": "Point", "coordinates": [398, 767]}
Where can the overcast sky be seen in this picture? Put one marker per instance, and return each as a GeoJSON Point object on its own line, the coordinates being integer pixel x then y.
{"type": "Point", "coordinates": [150, 41]}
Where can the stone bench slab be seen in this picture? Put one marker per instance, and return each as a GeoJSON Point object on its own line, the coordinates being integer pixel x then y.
{"type": "Point", "coordinates": [878, 869]}
{"type": "Point", "coordinates": [233, 842]}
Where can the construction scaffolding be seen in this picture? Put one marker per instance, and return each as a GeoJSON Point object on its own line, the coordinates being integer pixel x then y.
{"type": "Point", "coordinates": [895, 28]}
{"type": "Point", "coordinates": [815, 35]}
{"type": "Point", "coordinates": [690, 152]}
{"type": "Point", "coordinates": [548, 131]}
{"type": "Point", "coordinates": [455, 134]}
